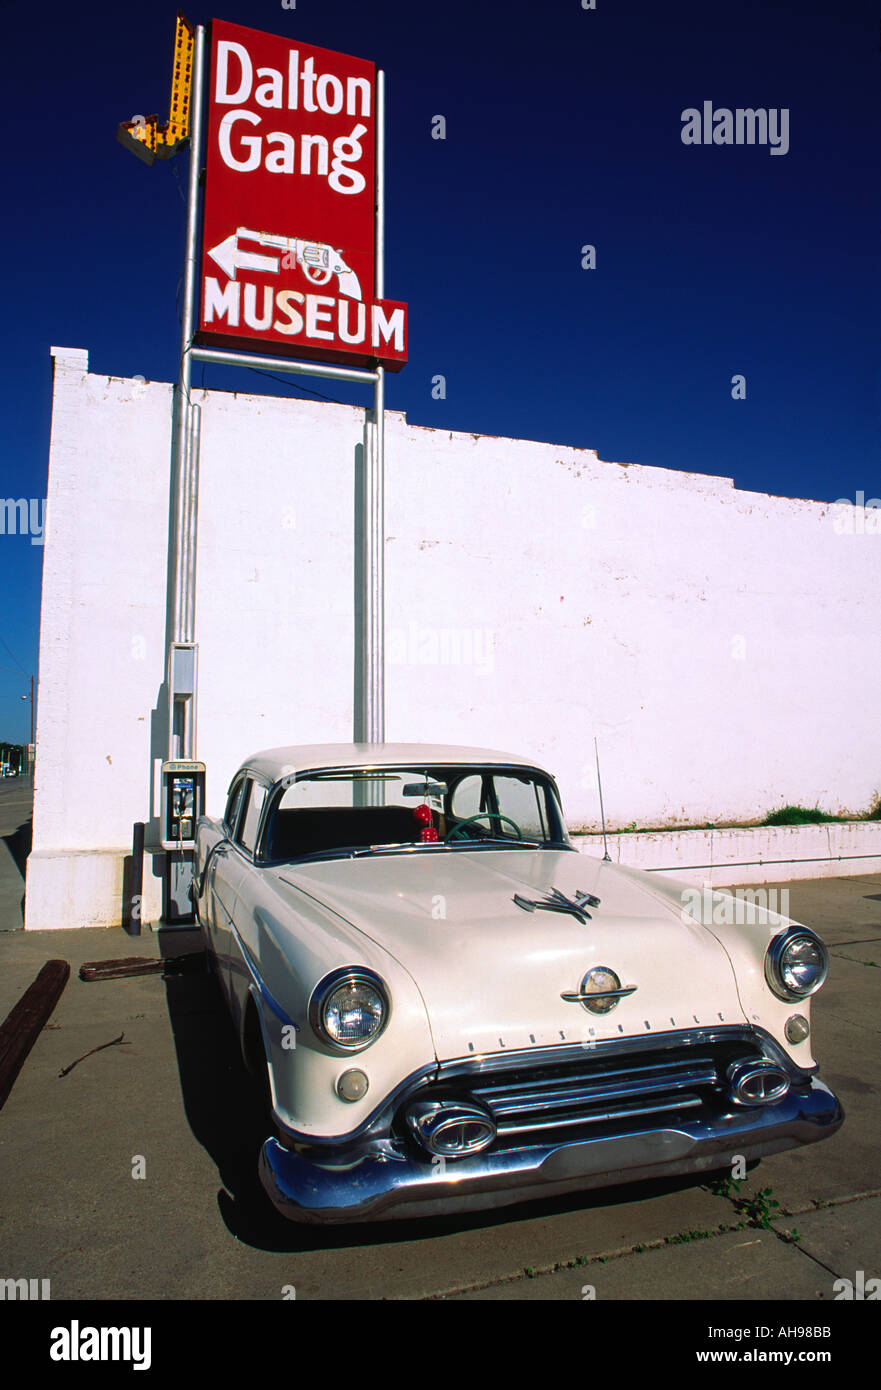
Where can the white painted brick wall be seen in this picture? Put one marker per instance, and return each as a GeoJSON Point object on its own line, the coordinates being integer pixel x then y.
{"type": "Point", "coordinates": [536, 597]}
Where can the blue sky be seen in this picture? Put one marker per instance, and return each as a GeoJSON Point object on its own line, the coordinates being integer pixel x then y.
{"type": "Point", "coordinates": [563, 129]}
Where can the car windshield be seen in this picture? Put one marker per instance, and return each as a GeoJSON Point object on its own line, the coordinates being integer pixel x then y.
{"type": "Point", "coordinates": [373, 810]}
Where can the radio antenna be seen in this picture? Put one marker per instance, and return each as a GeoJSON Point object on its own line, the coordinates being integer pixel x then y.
{"type": "Point", "coordinates": [606, 854]}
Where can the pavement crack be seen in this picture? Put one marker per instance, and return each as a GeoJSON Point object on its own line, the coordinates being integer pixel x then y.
{"type": "Point", "coordinates": [825, 1204]}
{"type": "Point", "coordinates": [585, 1261]}
{"type": "Point", "coordinates": [787, 1238]}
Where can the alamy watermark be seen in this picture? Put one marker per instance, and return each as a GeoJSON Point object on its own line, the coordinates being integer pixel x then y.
{"type": "Point", "coordinates": [415, 645]}
{"type": "Point", "coordinates": [76, 1343]}
{"type": "Point", "coordinates": [24, 516]}
{"type": "Point", "coordinates": [857, 518]}
{"type": "Point", "coordinates": [744, 907]}
{"type": "Point", "coordinates": [858, 1288]}
{"type": "Point", "coordinates": [743, 126]}
{"type": "Point", "coordinates": [25, 1289]}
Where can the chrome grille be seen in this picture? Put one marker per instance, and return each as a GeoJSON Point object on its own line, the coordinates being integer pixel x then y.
{"type": "Point", "coordinates": [603, 1091]}
{"type": "Point", "coordinates": [594, 1096]}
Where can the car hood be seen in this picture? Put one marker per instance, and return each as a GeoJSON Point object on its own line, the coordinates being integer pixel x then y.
{"type": "Point", "coordinates": [491, 973]}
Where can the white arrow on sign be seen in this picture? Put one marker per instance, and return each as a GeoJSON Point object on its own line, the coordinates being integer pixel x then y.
{"type": "Point", "coordinates": [318, 259]}
{"type": "Point", "coordinates": [231, 258]}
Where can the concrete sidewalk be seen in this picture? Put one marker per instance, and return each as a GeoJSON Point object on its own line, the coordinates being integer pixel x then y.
{"type": "Point", "coordinates": [173, 1102]}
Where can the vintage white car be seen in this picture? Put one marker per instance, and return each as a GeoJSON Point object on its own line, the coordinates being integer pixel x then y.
{"type": "Point", "coordinates": [455, 1009]}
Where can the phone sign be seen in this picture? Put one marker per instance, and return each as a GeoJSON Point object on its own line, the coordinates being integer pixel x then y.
{"type": "Point", "coordinates": [288, 235]}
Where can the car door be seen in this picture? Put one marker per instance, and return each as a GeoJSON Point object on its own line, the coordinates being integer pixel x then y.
{"type": "Point", "coordinates": [240, 883]}
{"type": "Point", "coordinates": [222, 876]}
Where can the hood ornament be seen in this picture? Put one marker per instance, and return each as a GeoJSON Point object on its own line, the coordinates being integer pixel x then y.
{"type": "Point", "coordinates": [557, 902]}
{"type": "Point", "coordinates": [600, 991]}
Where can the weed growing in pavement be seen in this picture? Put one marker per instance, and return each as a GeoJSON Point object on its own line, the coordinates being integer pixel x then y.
{"type": "Point", "coordinates": [758, 1209]}
{"type": "Point", "coordinates": [726, 1187]}
{"type": "Point", "coordinates": [684, 1237]}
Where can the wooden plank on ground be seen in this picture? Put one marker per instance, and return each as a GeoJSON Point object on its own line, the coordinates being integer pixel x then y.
{"type": "Point", "coordinates": [26, 1020]}
{"type": "Point", "coordinates": [140, 965]}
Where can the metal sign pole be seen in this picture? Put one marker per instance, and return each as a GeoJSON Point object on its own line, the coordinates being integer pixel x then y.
{"type": "Point", "coordinates": [181, 705]}
{"type": "Point", "coordinates": [182, 673]}
{"type": "Point", "coordinates": [373, 644]}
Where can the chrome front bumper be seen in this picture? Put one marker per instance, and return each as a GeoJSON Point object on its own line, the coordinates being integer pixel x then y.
{"type": "Point", "coordinates": [387, 1185]}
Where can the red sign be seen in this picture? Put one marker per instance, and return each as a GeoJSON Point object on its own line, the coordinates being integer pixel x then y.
{"type": "Point", "coordinates": [288, 229]}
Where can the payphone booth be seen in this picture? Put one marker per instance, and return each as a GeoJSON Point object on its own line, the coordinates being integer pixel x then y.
{"type": "Point", "coordinates": [183, 802]}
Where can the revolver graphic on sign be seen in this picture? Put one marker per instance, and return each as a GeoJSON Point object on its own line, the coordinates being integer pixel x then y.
{"type": "Point", "coordinates": [319, 261]}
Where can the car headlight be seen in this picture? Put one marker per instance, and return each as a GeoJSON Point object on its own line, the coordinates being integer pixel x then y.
{"type": "Point", "coordinates": [796, 963]}
{"type": "Point", "coordinates": [349, 1008]}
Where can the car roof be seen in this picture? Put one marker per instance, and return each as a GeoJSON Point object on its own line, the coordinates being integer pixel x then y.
{"type": "Point", "coordinates": [275, 763]}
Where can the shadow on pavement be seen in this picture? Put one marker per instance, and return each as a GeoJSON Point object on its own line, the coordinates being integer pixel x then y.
{"type": "Point", "coordinates": [19, 844]}
{"type": "Point", "coordinates": [223, 1105]}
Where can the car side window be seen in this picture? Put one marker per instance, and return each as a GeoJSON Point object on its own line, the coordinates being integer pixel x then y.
{"type": "Point", "coordinates": [233, 805]}
{"type": "Point", "coordinates": [520, 799]}
{"type": "Point", "coordinates": [247, 835]}
{"type": "Point", "coordinates": [467, 797]}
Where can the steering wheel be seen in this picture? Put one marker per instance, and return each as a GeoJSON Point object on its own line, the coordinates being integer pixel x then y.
{"type": "Point", "coordinates": [483, 815]}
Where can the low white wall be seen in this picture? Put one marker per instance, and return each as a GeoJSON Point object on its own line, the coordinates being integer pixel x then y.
{"type": "Point", "coordinates": [766, 854]}
{"type": "Point", "coordinates": [721, 645]}
{"type": "Point", "coordinates": [85, 888]}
